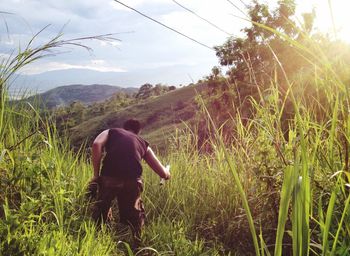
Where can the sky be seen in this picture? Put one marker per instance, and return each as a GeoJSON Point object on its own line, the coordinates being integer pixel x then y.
{"type": "Point", "coordinates": [144, 50]}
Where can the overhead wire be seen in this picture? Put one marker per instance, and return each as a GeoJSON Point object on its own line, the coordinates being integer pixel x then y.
{"type": "Point", "coordinates": [246, 5]}
{"type": "Point", "coordinates": [166, 26]}
{"type": "Point", "coordinates": [239, 9]}
{"type": "Point", "coordinates": [206, 20]}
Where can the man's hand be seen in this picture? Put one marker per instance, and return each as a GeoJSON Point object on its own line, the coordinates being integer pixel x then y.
{"type": "Point", "coordinates": [93, 187]}
{"type": "Point", "coordinates": [156, 165]}
{"type": "Point", "coordinates": [110, 215]}
{"type": "Point", "coordinates": [167, 172]}
{"type": "Point", "coordinates": [167, 176]}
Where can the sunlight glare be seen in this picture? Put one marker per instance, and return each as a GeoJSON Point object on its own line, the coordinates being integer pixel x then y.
{"type": "Point", "coordinates": [323, 22]}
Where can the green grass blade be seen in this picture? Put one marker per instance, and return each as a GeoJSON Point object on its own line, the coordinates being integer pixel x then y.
{"type": "Point", "coordinates": [328, 221]}
{"type": "Point", "coordinates": [286, 192]}
{"type": "Point", "coordinates": [236, 178]}
{"type": "Point", "coordinates": [345, 212]}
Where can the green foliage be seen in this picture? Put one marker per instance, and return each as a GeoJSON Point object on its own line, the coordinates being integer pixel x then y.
{"type": "Point", "coordinates": [173, 237]}
{"type": "Point", "coordinates": [148, 90]}
{"type": "Point", "coordinates": [43, 207]}
{"type": "Point", "coordinates": [62, 96]}
{"type": "Point", "coordinates": [160, 115]}
{"type": "Point", "coordinates": [250, 57]}
{"type": "Point", "coordinates": [102, 115]}
{"type": "Point", "coordinates": [286, 175]}
{"type": "Point", "coordinates": [67, 117]}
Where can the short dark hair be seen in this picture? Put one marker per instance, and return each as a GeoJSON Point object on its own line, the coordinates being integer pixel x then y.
{"type": "Point", "coordinates": [132, 125]}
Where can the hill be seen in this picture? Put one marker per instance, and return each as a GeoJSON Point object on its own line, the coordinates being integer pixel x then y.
{"type": "Point", "coordinates": [160, 116]}
{"type": "Point", "coordinates": [87, 94]}
{"type": "Point", "coordinates": [174, 75]}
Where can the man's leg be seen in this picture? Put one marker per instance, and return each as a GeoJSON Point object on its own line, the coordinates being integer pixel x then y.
{"type": "Point", "coordinates": [131, 210]}
{"type": "Point", "coordinates": [103, 204]}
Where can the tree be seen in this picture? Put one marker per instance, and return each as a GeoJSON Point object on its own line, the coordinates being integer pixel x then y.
{"type": "Point", "coordinates": [148, 90]}
{"type": "Point", "coordinates": [216, 71]}
{"type": "Point", "coordinates": [252, 58]}
{"type": "Point", "coordinates": [263, 55]}
{"type": "Point", "coordinates": [145, 91]}
{"type": "Point", "coordinates": [215, 81]}
{"type": "Point", "coordinates": [159, 89]}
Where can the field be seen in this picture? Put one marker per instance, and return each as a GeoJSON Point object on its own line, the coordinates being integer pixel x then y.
{"type": "Point", "coordinates": [264, 185]}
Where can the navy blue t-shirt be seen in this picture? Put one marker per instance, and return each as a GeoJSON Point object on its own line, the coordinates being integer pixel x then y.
{"type": "Point", "coordinates": [124, 152]}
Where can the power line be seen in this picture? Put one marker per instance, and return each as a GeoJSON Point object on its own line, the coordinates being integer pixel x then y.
{"type": "Point", "coordinates": [246, 5]}
{"type": "Point", "coordinates": [239, 9]}
{"type": "Point", "coordinates": [209, 22]}
{"type": "Point", "coordinates": [162, 24]}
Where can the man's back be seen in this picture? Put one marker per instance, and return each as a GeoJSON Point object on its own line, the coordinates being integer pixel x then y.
{"type": "Point", "coordinates": [124, 151]}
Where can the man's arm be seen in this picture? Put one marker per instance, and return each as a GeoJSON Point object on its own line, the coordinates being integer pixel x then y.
{"type": "Point", "coordinates": [155, 164]}
{"type": "Point", "coordinates": [97, 149]}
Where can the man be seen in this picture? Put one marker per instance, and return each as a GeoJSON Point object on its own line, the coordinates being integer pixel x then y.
{"type": "Point", "coordinates": [121, 172]}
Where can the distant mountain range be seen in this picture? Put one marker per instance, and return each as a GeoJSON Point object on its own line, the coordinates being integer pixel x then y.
{"type": "Point", "coordinates": [42, 82]}
{"type": "Point", "coordinates": [64, 95]}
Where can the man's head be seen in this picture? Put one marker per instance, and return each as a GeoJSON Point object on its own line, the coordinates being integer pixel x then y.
{"type": "Point", "coordinates": [132, 125]}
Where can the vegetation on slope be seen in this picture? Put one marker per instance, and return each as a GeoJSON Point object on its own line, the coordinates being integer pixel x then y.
{"type": "Point", "coordinates": [86, 94]}
{"type": "Point", "coordinates": [255, 191]}
{"type": "Point", "coordinates": [160, 115]}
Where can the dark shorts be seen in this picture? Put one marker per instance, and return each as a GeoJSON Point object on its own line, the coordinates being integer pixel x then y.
{"type": "Point", "coordinates": [128, 195]}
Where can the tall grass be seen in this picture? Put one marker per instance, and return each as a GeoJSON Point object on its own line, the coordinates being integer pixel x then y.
{"type": "Point", "coordinates": [295, 191]}
{"type": "Point", "coordinates": [43, 206]}
{"type": "Point", "coordinates": [261, 195]}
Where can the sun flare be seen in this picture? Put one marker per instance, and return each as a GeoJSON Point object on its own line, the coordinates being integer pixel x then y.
{"type": "Point", "coordinates": [331, 16]}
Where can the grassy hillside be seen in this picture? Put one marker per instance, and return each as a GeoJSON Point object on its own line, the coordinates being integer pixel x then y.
{"type": "Point", "coordinates": [259, 193]}
{"type": "Point", "coordinates": [159, 115]}
{"type": "Point", "coordinates": [64, 95]}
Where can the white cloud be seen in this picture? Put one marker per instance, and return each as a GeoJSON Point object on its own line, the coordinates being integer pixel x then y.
{"type": "Point", "coordinates": [4, 56]}
{"type": "Point", "coordinates": [155, 65]}
{"type": "Point", "coordinates": [9, 41]}
{"type": "Point", "coordinates": [96, 65]}
{"type": "Point", "coordinates": [110, 43]}
{"type": "Point", "coordinates": [98, 62]}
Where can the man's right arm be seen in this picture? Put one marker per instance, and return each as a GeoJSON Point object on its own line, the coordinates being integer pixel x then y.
{"type": "Point", "coordinates": [97, 149]}
{"type": "Point", "coordinates": [155, 164]}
